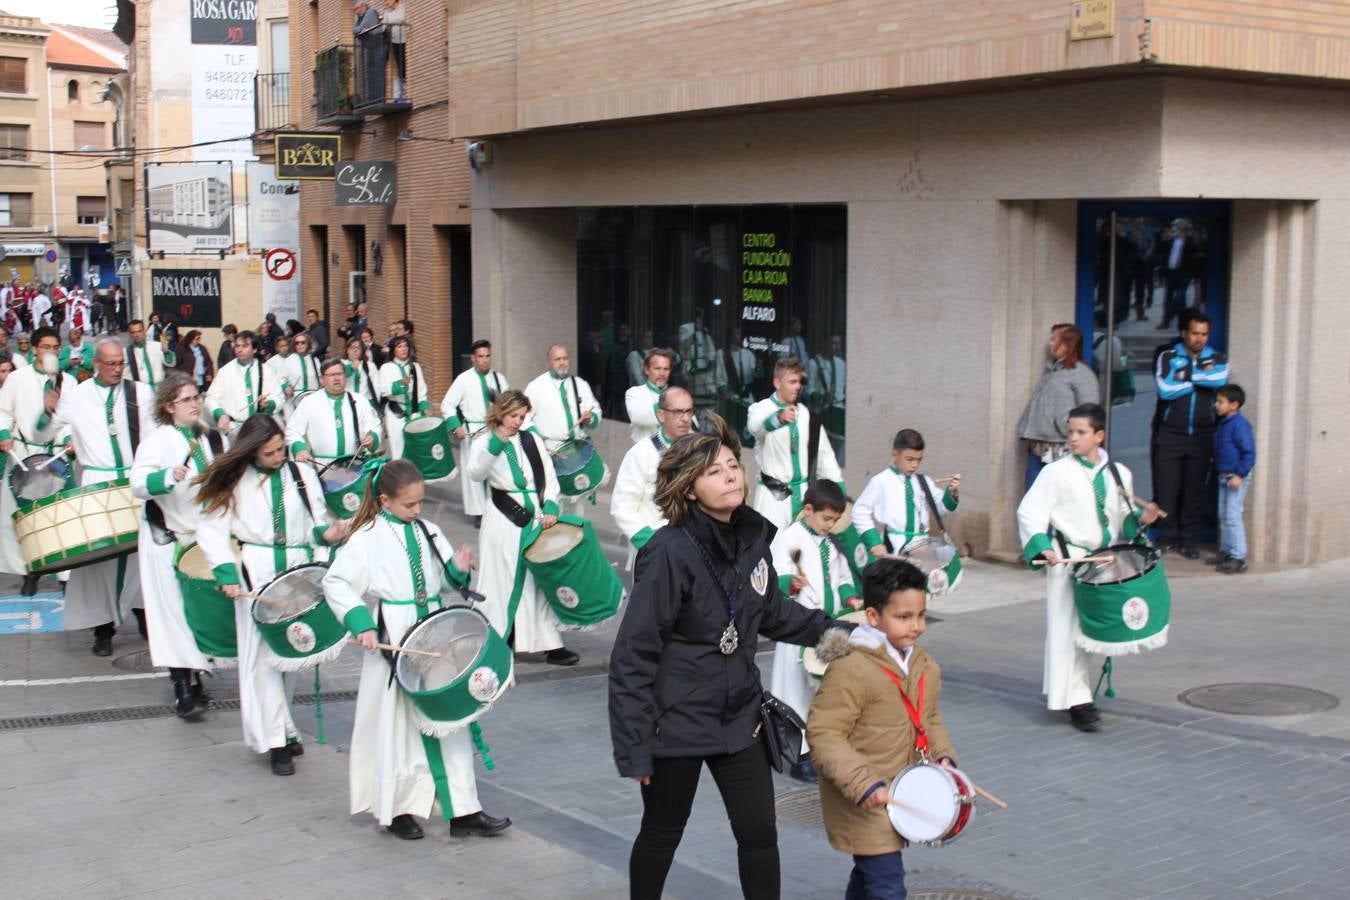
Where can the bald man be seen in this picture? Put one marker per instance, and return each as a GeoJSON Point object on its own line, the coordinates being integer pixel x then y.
{"type": "Point", "coordinates": [563, 408]}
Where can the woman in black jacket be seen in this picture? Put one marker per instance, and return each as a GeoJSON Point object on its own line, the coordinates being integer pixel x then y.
{"type": "Point", "coordinates": [684, 689]}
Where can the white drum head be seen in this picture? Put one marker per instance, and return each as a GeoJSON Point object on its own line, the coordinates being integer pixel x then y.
{"type": "Point", "coordinates": [426, 423]}
{"type": "Point", "coordinates": [554, 543]}
{"type": "Point", "coordinates": [925, 806]}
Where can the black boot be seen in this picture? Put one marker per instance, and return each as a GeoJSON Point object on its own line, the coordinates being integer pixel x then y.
{"type": "Point", "coordinates": [281, 761]}
{"type": "Point", "coordinates": [1085, 717]}
{"type": "Point", "coordinates": [561, 657]}
{"type": "Point", "coordinates": [199, 690]}
{"type": "Point", "coordinates": [480, 824]}
{"type": "Point", "coordinates": [140, 622]}
{"type": "Point", "coordinates": [29, 585]}
{"type": "Point", "coordinates": [185, 704]}
{"type": "Point", "coordinates": [103, 635]}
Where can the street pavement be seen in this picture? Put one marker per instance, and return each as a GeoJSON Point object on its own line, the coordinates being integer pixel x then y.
{"type": "Point", "coordinates": [107, 794]}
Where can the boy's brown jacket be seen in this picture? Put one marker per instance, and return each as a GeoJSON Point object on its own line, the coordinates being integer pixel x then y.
{"type": "Point", "coordinates": [860, 734]}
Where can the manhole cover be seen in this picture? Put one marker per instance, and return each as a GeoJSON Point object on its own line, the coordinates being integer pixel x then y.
{"type": "Point", "coordinates": [1259, 699]}
{"type": "Point", "coordinates": [138, 661]}
{"type": "Point", "coordinates": [800, 808]}
{"type": "Point", "coordinates": [955, 894]}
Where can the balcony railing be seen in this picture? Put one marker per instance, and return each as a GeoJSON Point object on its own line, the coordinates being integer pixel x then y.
{"type": "Point", "coordinates": [381, 70]}
{"type": "Point", "coordinates": [272, 101]}
{"type": "Point", "coordinates": [334, 98]}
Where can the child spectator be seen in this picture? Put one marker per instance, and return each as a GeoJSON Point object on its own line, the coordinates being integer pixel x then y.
{"type": "Point", "coordinates": [1234, 456]}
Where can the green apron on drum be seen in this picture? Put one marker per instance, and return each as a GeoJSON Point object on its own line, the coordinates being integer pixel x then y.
{"type": "Point", "coordinates": [344, 484]}
{"type": "Point", "coordinates": [295, 622]}
{"type": "Point", "coordinates": [1123, 607]}
{"type": "Point", "coordinates": [579, 468]}
{"type": "Point", "coordinates": [472, 671]}
{"type": "Point", "coordinates": [426, 444]}
{"type": "Point", "coordinates": [209, 613]}
{"type": "Point", "coordinates": [571, 570]}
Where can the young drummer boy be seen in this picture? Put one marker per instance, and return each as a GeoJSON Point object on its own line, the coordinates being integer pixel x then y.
{"type": "Point", "coordinates": [894, 509]}
{"type": "Point", "coordinates": [813, 571]}
{"type": "Point", "coordinates": [1078, 497]}
{"type": "Point", "coordinates": [862, 732]}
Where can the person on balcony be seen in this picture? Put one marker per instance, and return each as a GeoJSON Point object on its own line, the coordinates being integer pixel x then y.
{"type": "Point", "coordinates": [395, 27]}
{"type": "Point", "coordinates": [369, 31]}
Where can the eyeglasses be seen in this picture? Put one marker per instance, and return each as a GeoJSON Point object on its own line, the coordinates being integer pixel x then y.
{"type": "Point", "coordinates": [195, 398]}
{"type": "Point", "coordinates": [679, 413]}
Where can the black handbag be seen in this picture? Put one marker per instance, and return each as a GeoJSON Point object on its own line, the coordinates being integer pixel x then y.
{"type": "Point", "coordinates": [782, 730]}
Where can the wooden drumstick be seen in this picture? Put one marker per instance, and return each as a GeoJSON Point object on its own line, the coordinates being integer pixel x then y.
{"type": "Point", "coordinates": [1140, 501]}
{"type": "Point", "coordinates": [986, 795]}
{"type": "Point", "coordinates": [260, 599]}
{"type": "Point", "coordinates": [407, 650]}
{"type": "Point", "coordinates": [1104, 557]}
{"type": "Point", "coordinates": [18, 460]}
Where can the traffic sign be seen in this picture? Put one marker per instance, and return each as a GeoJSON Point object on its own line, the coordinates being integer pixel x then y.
{"type": "Point", "coordinates": [124, 266]}
{"type": "Point", "coordinates": [280, 263]}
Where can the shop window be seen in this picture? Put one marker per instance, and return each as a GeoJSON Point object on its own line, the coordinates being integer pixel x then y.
{"type": "Point", "coordinates": [13, 141]}
{"type": "Point", "coordinates": [89, 136]}
{"type": "Point", "coordinates": [16, 210]}
{"type": "Point", "coordinates": [13, 75]}
{"type": "Point", "coordinates": [730, 289]}
{"type": "Point", "coordinates": [90, 210]}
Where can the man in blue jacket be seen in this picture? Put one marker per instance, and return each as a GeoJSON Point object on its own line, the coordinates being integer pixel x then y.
{"type": "Point", "coordinates": [1188, 373]}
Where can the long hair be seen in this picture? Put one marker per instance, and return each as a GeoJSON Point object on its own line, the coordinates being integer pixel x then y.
{"type": "Point", "coordinates": [1072, 339]}
{"type": "Point", "coordinates": [393, 478]}
{"type": "Point", "coordinates": [219, 480]}
{"type": "Point", "coordinates": [506, 403]}
{"type": "Point", "coordinates": [687, 459]}
{"type": "Point", "coordinates": [174, 381]}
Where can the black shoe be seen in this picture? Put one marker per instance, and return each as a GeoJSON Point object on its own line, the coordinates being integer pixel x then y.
{"type": "Point", "coordinates": [405, 827]}
{"type": "Point", "coordinates": [1187, 550]}
{"type": "Point", "coordinates": [102, 643]}
{"type": "Point", "coordinates": [199, 690]}
{"type": "Point", "coordinates": [1218, 559]}
{"type": "Point", "coordinates": [1085, 717]}
{"type": "Point", "coordinates": [1232, 566]}
{"type": "Point", "coordinates": [296, 748]}
{"type": "Point", "coordinates": [29, 585]}
{"type": "Point", "coordinates": [477, 521]}
{"type": "Point", "coordinates": [140, 622]}
{"type": "Point", "coordinates": [281, 761]}
{"type": "Point", "coordinates": [185, 705]}
{"type": "Point", "coordinates": [804, 770]}
{"type": "Point", "coordinates": [480, 824]}
{"type": "Point", "coordinates": [561, 657]}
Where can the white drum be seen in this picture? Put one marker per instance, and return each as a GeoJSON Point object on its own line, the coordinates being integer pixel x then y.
{"type": "Point", "coordinates": [931, 804]}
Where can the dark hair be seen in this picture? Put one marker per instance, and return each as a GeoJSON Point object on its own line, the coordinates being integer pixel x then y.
{"type": "Point", "coordinates": [888, 576]}
{"type": "Point", "coordinates": [822, 494]}
{"type": "Point", "coordinates": [1095, 415]}
{"type": "Point", "coordinates": [408, 325]}
{"type": "Point", "coordinates": [356, 341]}
{"type": "Point", "coordinates": [393, 478]}
{"type": "Point", "coordinates": [665, 353]}
{"type": "Point", "coordinates": [294, 326]}
{"type": "Point", "coordinates": [907, 439]}
{"type": "Point", "coordinates": [401, 339]}
{"type": "Point", "coordinates": [1233, 394]}
{"type": "Point", "coordinates": [135, 322]}
{"type": "Point", "coordinates": [230, 330]}
{"type": "Point", "coordinates": [270, 317]}
{"type": "Point", "coordinates": [221, 477]}
{"type": "Point", "coordinates": [331, 362]}
{"type": "Point", "coordinates": [1189, 316]}
{"type": "Point", "coordinates": [479, 345]}
{"type": "Point", "coordinates": [40, 333]}
{"type": "Point", "coordinates": [187, 340]}
{"type": "Point", "coordinates": [247, 336]}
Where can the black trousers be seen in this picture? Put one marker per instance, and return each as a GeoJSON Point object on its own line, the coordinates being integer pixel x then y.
{"type": "Point", "coordinates": [746, 784]}
{"type": "Point", "coordinates": [1180, 468]}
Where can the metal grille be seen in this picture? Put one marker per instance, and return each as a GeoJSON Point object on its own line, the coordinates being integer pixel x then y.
{"type": "Point", "coordinates": [800, 808]}
{"type": "Point", "coordinates": [133, 713]}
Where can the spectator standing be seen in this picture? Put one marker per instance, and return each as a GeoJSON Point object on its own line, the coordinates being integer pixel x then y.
{"type": "Point", "coordinates": [1066, 382]}
{"type": "Point", "coordinates": [191, 357]}
{"type": "Point", "coordinates": [317, 329]}
{"type": "Point", "coordinates": [1234, 457]}
{"type": "Point", "coordinates": [1179, 264]}
{"type": "Point", "coordinates": [370, 34]}
{"type": "Point", "coordinates": [395, 27]}
{"type": "Point", "coordinates": [226, 353]}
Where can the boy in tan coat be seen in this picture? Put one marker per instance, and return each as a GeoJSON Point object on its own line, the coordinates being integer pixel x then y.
{"type": "Point", "coordinates": [860, 733]}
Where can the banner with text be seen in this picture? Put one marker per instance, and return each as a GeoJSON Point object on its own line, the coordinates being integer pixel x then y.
{"type": "Point", "coordinates": [189, 207]}
{"type": "Point", "coordinates": [190, 296]}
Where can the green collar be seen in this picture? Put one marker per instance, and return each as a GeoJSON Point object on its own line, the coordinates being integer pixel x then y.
{"type": "Point", "coordinates": [392, 518]}
{"type": "Point", "coordinates": [653, 388]}
{"type": "Point", "coordinates": [1087, 464]}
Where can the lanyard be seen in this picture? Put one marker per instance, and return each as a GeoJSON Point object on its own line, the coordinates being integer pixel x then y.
{"type": "Point", "coordinates": [920, 736]}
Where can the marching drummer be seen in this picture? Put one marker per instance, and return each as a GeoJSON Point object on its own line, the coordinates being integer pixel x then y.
{"type": "Point", "coordinates": [162, 474]}
{"type": "Point", "coordinates": [465, 408]}
{"type": "Point", "coordinates": [107, 416]}
{"type": "Point", "coordinates": [404, 387]}
{"type": "Point", "coordinates": [302, 366]}
{"type": "Point", "coordinates": [784, 438]}
{"type": "Point", "coordinates": [77, 356]}
{"type": "Point", "coordinates": [242, 387]}
{"type": "Point", "coordinates": [279, 366]}
{"type": "Point", "coordinates": [145, 359]}
{"type": "Point", "coordinates": [1078, 496]}
{"type": "Point", "coordinates": [274, 508]}
{"type": "Point", "coordinates": [876, 713]}
{"type": "Point", "coordinates": [332, 423]}
{"type": "Point", "coordinates": [21, 404]}
{"type": "Point", "coordinates": [895, 507]}
{"type": "Point", "coordinates": [523, 488]}
{"type": "Point", "coordinates": [641, 400]}
{"type": "Point", "coordinates": [362, 375]}
{"type": "Point", "coordinates": [632, 503]}
{"type": "Point", "coordinates": [397, 773]}
{"type": "Point", "coordinates": [563, 409]}
{"type": "Point", "coordinates": [814, 572]}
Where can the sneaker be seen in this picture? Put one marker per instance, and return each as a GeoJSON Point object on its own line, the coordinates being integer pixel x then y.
{"type": "Point", "coordinates": [1221, 557]}
{"type": "Point", "coordinates": [1233, 566]}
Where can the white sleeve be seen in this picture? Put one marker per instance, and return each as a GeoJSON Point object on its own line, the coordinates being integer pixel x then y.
{"type": "Point", "coordinates": [1037, 506]}
{"type": "Point", "coordinates": [552, 490]}
{"type": "Point", "coordinates": [827, 466]}
{"type": "Point", "coordinates": [479, 461]}
{"type": "Point", "coordinates": [864, 515]}
{"type": "Point", "coordinates": [588, 402]}
{"type": "Point", "coordinates": [389, 376]}
{"type": "Point", "coordinates": [148, 461]}
{"type": "Point", "coordinates": [627, 496]}
{"type": "Point", "coordinates": [297, 426]}
{"type": "Point", "coordinates": [348, 578]}
{"type": "Point", "coordinates": [450, 402]}
{"type": "Point", "coordinates": [215, 395]}
{"type": "Point", "coordinates": [366, 420]}
{"type": "Point", "coordinates": [213, 534]}
{"type": "Point", "coordinates": [641, 412]}
{"type": "Point", "coordinates": [758, 422]}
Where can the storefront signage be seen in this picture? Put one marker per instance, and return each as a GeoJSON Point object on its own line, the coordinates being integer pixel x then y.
{"type": "Point", "coordinates": [25, 249]}
{"type": "Point", "coordinates": [190, 296]}
{"type": "Point", "coordinates": [225, 22]}
{"type": "Point", "coordinates": [766, 269]}
{"type": "Point", "coordinates": [1092, 19]}
{"type": "Point", "coordinates": [307, 156]}
{"type": "Point", "coordinates": [189, 207]}
{"type": "Point", "coordinates": [365, 183]}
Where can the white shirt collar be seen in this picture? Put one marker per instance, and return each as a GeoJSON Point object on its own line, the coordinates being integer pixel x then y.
{"type": "Point", "coordinates": [867, 636]}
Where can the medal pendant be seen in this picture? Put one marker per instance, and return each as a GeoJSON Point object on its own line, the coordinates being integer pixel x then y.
{"type": "Point", "coordinates": [112, 430]}
{"type": "Point", "coordinates": [730, 640]}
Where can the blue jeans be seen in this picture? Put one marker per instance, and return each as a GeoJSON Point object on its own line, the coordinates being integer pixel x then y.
{"type": "Point", "coordinates": [877, 878]}
{"type": "Point", "coordinates": [1232, 535]}
{"type": "Point", "coordinates": [1034, 466]}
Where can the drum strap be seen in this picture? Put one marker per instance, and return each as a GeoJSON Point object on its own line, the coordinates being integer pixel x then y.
{"type": "Point", "coordinates": [812, 448]}
{"type": "Point", "coordinates": [300, 486]}
{"type": "Point", "coordinates": [1128, 500]}
{"type": "Point", "coordinates": [470, 596]}
{"type": "Point", "coordinates": [515, 512]}
{"type": "Point", "coordinates": [932, 504]}
{"type": "Point", "coordinates": [133, 414]}
{"type": "Point", "coordinates": [912, 710]}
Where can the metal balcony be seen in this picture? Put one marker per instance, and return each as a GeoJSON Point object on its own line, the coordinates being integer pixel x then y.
{"type": "Point", "coordinates": [381, 70]}
{"type": "Point", "coordinates": [272, 101]}
{"type": "Point", "coordinates": [334, 97]}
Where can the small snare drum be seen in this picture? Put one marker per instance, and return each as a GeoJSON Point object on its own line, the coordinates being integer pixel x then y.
{"type": "Point", "coordinates": [931, 804]}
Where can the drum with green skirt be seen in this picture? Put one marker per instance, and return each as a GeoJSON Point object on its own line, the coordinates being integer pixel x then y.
{"type": "Point", "coordinates": [579, 468]}
{"type": "Point", "coordinates": [426, 444]}
{"type": "Point", "coordinates": [1124, 604]}
{"type": "Point", "coordinates": [344, 484]}
{"type": "Point", "coordinates": [209, 613]}
{"type": "Point", "coordinates": [938, 558]}
{"type": "Point", "coordinates": [570, 568]}
{"type": "Point", "coordinates": [298, 629]}
{"type": "Point", "coordinates": [453, 666]}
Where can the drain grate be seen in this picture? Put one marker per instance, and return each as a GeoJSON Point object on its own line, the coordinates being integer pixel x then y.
{"type": "Point", "coordinates": [1259, 699]}
{"type": "Point", "coordinates": [800, 808]}
{"type": "Point", "coordinates": [133, 713]}
{"type": "Point", "coordinates": [955, 894]}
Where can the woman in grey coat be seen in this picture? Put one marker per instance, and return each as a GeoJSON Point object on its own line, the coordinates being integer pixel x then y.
{"type": "Point", "coordinates": [1067, 382]}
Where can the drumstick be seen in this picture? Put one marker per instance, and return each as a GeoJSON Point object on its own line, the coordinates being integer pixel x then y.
{"type": "Point", "coordinates": [18, 460]}
{"type": "Point", "coordinates": [260, 599]}
{"type": "Point", "coordinates": [1104, 557]}
{"type": "Point", "coordinates": [947, 480]}
{"type": "Point", "coordinates": [986, 795]}
{"type": "Point", "coordinates": [1139, 501]}
{"type": "Point", "coordinates": [407, 650]}
{"type": "Point", "coordinates": [41, 466]}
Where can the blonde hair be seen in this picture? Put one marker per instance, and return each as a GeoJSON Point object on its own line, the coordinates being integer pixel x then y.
{"type": "Point", "coordinates": [505, 404]}
{"type": "Point", "coordinates": [686, 460]}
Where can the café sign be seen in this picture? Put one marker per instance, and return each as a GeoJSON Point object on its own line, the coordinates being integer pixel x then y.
{"type": "Point", "coordinates": [313, 155]}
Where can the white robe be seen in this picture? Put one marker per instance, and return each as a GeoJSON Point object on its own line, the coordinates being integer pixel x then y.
{"type": "Point", "coordinates": [313, 425]}
{"type": "Point", "coordinates": [1062, 496]}
{"type": "Point", "coordinates": [172, 644]}
{"type": "Point", "coordinates": [641, 402]}
{"type": "Point", "coordinates": [302, 372]}
{"type": "Point", "coordinates": [549, 419]}
{"type": "Point", "coordinates": [881, 511]}
{"type": "Point", "coordinates": [21, 403]}
{"type": "Point", "coordinates": [149, 363]}
{"type": "Point", "coordinates": [228, 394]}
{"type": "Point", "coordinates": [499, 554]}
{"type": "Point", "coordinates": [106, 591]}
{"type": "Point", "coordinates": [790, 682]}
{"type": "Point", "coordinates": [632, 502]}
{"type": "Point", "coordinates": [392, 387]}
{"type": "Point", "coordinates": [265, 713]}
{"type": "Point", "coordinates": [363, 380]}
{"type": "Point", "coordinates": [389, 774]}
{"type": "Point", "coordinates": [773, 452]}
{"type": "Point", "coordinates": [466, 403]}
